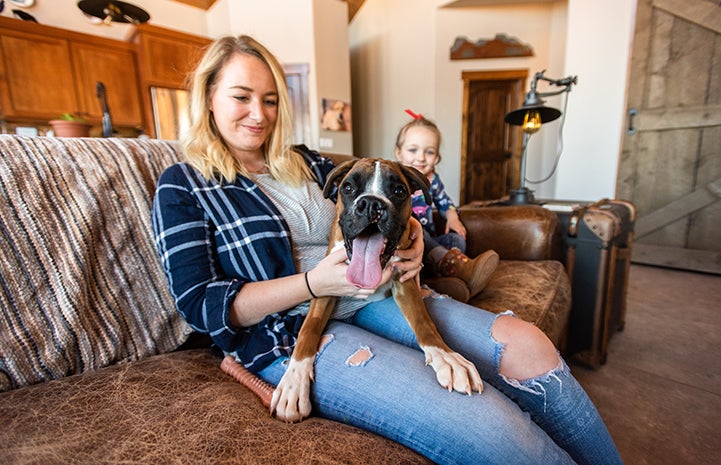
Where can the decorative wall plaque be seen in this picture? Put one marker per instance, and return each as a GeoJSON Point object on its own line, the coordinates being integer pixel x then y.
{"type": "Point", "coordinates": [501, 46]}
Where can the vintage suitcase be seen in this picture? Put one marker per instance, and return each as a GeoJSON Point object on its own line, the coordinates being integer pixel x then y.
{"type": "Point", "coordinates": [597, 250]}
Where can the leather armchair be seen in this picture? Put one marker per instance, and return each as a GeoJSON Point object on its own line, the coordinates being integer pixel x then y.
{"type": "Point", "coordinates": [530, 279]}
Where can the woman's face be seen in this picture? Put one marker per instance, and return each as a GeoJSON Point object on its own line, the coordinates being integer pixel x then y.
{"type": "Point", "coordinates": [244, 105]}
{"type": "Point", "coordinates": [419, 149]}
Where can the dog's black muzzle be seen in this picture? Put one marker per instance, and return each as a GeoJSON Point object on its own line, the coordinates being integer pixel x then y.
{"type": "Point", "coordinates": [373, 208]}
{"type": "Point", "coordinates": [369, 215]}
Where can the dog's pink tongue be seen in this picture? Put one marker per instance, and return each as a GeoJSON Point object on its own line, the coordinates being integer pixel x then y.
{"type": "Point", "coordinates": [365, 266]}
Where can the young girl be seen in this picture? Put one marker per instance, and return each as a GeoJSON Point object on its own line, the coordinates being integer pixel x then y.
{"type": "Point", "coordinates": [417, 145]}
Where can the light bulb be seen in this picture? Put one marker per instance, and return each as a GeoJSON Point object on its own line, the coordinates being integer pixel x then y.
{"type": "Point", "coordinates": [532, 121]}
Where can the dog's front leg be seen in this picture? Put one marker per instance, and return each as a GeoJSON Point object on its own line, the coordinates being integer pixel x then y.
{"type": "Point", "coordinates": [291, 398]}
{"type": "Point", "coordinates": [453, 371]}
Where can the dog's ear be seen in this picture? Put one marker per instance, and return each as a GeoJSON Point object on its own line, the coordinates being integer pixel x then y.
{"type": "Point", "coordinates": [335, 176]}
{"type": "Point", "coordinates": [417, 180]}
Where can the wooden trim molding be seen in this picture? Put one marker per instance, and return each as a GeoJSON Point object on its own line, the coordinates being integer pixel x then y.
{"type": "Point", "coordinates": [202, 4]}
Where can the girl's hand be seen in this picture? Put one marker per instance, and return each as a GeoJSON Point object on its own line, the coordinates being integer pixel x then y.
{"type": "Point", "coordinates": [411, 258]}
{"type": "Point", "coordinates": [453, 223]}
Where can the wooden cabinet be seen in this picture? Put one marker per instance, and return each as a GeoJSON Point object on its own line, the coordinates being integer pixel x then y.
{"type": "Point", "coordinates": [46, 71]}
{"type": "Point", "coordinates": [166, 58]}
{"type": "Point", "coordinates": [37, 77]}
{"type": "Point", "coordinates": [116, 69]}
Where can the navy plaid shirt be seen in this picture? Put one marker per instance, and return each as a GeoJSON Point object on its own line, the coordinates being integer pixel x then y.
{"type": "Point", "coordinates": [212, 238]}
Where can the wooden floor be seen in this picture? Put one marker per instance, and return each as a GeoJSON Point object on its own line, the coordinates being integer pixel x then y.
{"type": "Point", "coordinates": [660, 390]}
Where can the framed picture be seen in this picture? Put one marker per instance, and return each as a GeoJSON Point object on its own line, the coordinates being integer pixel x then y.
{"type": "Point", "coordinates": [335, 115]}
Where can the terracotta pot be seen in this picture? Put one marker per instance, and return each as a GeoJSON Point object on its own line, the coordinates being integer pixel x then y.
{"type": "Point", "coordinates": [69, 128]}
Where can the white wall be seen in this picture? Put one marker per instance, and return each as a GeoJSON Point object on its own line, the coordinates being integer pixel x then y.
{"type": "Point", "coordinates": [600, 35]}
{"type": "Point", "coordinates": [400, 58]}
{"type": "Point", "coordinates": [392, 68]}
{"type": "Point", "coordinates": [332, 71]}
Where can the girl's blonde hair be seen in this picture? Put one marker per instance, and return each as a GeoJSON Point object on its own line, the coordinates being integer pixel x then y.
{"type": "Point", "coordinates": [422, 122]}
{"type": "Point", "coordinates": [203, 145]}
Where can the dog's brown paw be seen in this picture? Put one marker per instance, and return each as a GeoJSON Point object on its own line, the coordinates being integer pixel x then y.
{"type": "Point", "coordinates": [291, 398]}
{"type": "Point", "coordinates": [453, 371]}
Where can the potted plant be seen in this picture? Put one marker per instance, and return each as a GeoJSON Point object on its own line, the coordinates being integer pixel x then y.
{"type": "Point", "coordinates": [70, 125]}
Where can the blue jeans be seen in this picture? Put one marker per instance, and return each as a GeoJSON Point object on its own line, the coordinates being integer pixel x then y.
{"type": "Point", "coordinates": [450, 240]}
{"type": "Point", "coordinates": [388, 390]}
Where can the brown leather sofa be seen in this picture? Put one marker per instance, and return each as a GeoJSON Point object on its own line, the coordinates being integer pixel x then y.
{"type": "Point", "coordinates": [96, 366]}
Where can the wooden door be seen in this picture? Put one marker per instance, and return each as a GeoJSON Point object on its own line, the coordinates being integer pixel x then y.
{"type": "Point", "coordinates": [37, 78]}
{"type": "Point", "coordinates": [116, 69]}
{"type": "Point", "coordinates": [671, 162]}
{"type": "Point", "coordinates": [490, 150]}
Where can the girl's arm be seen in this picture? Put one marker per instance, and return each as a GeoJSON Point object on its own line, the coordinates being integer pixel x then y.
{"type": "Point", "coordinates": [453, 223]}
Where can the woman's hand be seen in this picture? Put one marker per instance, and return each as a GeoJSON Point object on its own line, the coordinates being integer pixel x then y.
{"type": "Point", "coordinates": [329, 278]}
{"type": "Point", "coordinates": [453, 223]}
{"type": "Point", "coordinates": [411, 259]}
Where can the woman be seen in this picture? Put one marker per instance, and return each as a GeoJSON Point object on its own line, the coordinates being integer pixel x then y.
{"type": "Point", "coordinates": [238, 226]}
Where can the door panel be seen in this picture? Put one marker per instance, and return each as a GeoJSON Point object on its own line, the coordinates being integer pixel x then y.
{"type": "Point", "coordinates": [490, 150]}
{"type": "Point", "coordinates": [671, 165]}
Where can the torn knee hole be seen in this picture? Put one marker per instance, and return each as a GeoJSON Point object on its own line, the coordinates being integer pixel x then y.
{"type": "Point", "coordinates": [360, 357]}
{"type": "Point", "coordinates": [324, 341]}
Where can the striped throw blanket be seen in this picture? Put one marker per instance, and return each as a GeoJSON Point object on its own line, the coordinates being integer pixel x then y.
{"type": "Point", "coordinates": [80, 283]}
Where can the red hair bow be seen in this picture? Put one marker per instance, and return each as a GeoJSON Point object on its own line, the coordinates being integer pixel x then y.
{"type": "Point", "coordinates": [414, 115]}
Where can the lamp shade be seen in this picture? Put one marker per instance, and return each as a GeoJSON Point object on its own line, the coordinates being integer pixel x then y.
{"type": "Point", "coordinates": [114, 11]}
{"type": "Point", "coordinates": [517, 117]}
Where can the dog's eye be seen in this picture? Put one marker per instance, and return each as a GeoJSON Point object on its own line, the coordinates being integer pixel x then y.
{"type": "Point", "coordinates": [348, 189]}
{"type": "Point", "coordinates": [400, 191]}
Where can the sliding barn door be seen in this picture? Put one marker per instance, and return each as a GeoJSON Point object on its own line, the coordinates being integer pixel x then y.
{"type": "Point", "coordinates": [671, 160]}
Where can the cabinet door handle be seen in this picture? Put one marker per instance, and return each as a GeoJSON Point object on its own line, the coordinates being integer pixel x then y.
{"type": "Point", "coordinates": [632, 112]}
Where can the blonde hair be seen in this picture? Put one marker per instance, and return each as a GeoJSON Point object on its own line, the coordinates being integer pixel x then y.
{"type": "Point", "coordinates": [203, 145]}
{"type": "Point", "coordinates": [419, 121]}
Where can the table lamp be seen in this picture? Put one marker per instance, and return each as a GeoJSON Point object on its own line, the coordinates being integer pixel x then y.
{"type": "Point", "coordinates": [531, 116]}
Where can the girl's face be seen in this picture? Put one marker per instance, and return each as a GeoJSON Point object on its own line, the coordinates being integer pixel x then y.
{"type": "Point", "coordinates": [419, 149]}
{"type": "Point", "coordinates": [244, 104]}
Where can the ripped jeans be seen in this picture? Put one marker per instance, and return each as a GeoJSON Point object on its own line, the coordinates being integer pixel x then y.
{"type": "Point", "coordinates": [370, 373]}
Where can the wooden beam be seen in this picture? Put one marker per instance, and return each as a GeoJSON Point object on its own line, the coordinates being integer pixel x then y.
{"type": "Point", "coordinates": [685, 259]}
{"type": "Point", "coordinates": [678, 209]}
{"type": "Point", "coordinates": [705, 14]}
{"type": "Point", "coordinates": [679, 118]}
{"type": "Point", "coordinates": [202, 4]}
{"type": "Point", "coordinates": [353, 7]}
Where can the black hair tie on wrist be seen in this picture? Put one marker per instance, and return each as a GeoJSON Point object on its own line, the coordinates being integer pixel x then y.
{"type": "Point", "coordinates": [307, 284]}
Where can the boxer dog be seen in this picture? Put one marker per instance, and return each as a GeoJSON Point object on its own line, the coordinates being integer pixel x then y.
{"type": "Point", "coordinates": [374, 210]}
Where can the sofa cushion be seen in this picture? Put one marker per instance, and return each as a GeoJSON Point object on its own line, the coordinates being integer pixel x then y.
{"type": "Point", "coordinates": [81, 286]}
{"type": "Point", "coordinates": [171, 408]}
